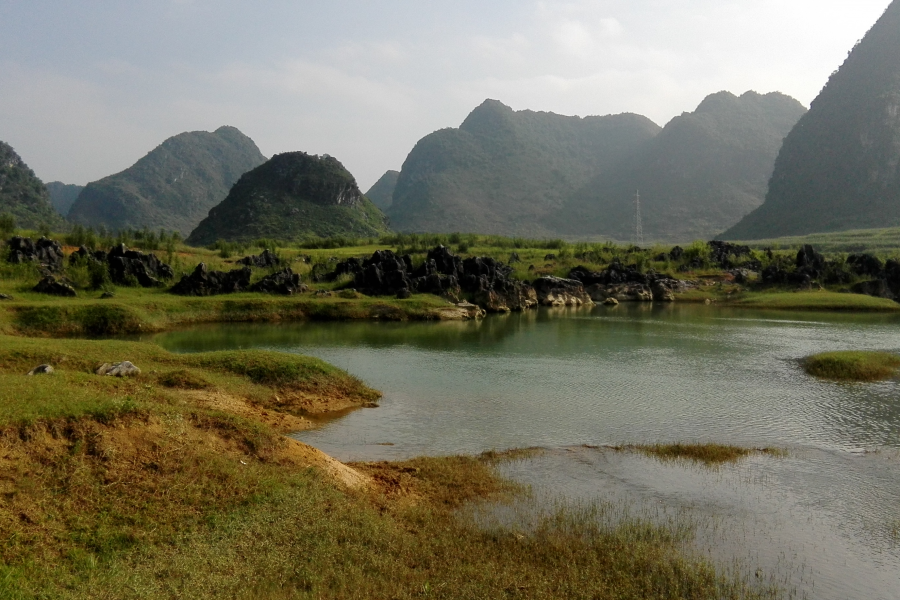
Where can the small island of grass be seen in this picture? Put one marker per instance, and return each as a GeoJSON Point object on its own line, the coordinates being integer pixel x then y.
{"type": "Point", "coordinates": [853, 366]}
{"type": "Point", "coordinates": [708, 454]}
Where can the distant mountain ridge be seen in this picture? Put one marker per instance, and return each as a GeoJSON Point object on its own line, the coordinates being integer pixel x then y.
{"type": "Point", "coordinates": [507, 172]}
{"type": "Point", "coordinates": [839, 168]}
{"type": "Point", "coordinates": [63, 195]}
{"type": "Point", "coordinates": [547, 175]}
{"type": "Point", "coordinates": [292, 196]}
{"type": "Point", "coordinates": [23, 195]}
{"type": "Point", "coordinates": [382, 193]}
{"type": "Point", "coordinates": [700, 175]}
{"type": "Point", "coordinates": [173, 187]}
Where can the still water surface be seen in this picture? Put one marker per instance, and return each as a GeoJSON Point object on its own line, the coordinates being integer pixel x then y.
{"type": "Point", "coordinates": [825, 520]}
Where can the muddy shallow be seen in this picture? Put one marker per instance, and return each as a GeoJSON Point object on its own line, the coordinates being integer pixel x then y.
{"type": "Point", "coordinates": [824, 520]}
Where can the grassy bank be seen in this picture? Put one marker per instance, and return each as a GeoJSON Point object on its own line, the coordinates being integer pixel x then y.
{"type": "Point", "coordinates": [816, 300]}
{"type": "Point", "coordinates": [177, 483]}
{"type": "Point", "coordinates": [876, 241]}
{"type": "Point", "coordinates": [136, 310]}
{"type": "Point", "coordinates": [853, 366]}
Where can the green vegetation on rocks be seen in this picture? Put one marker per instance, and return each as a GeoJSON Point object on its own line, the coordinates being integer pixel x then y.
{"type": "Point", "coordinates": [23, 196]}
{"type": "Point", "coordinates": [838, 167]}
{"type": "Point", "coordinates": [171, 188]}
{"type": "Point", "coordinates": [293, 196]}
{"type": "Point", "coordinates": [853, 365]}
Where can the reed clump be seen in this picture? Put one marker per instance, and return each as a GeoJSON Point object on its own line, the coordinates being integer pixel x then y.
{"type": "Point", "coordinates": [708, 454]}
{"type": "Point", "coordinates": [852, 366]}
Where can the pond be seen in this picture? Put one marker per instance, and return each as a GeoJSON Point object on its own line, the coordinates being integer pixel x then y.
{"type": "Point", "coordinates": [825, 519]}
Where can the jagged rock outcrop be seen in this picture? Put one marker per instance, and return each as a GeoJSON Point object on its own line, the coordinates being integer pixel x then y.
{"type": "Point", "coordinates": [127, 266]}
{"type": "Point", "coordinates": [554, 291]}
{"type": "Point", "coordinates": [292, 196]}
{"type": "Point", "coordinates": [839, 168]}
{"type": "Point", "coordinates": [44, 252]}
{"type": "Point", "coordinates": [285, 283]}
{"type": "Point", "coordinates": [263, 261]}
{"type": "Point", "coordinates": [444, 274]}
{"type": "Point", "coordinates": [23, 195]}
{"type": "Point", "coordinates": [173, 187]}
{"type": "Point", "coordinates": [55, 287]}
{"type": "Point", "coordinates": [203, 282]}
{"type": "Point", "coordinates": [626, 284]}
{"type": "Point", "coordinates": [809, 268]}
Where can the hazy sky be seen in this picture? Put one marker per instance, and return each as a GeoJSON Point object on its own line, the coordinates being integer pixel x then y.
{"type": "Point", "coordinates": [88, 87]}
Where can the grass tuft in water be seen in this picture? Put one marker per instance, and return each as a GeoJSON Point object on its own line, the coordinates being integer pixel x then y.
{"type": "Point", "coordinates": [853, 366]}
{"type": "Point", "coordinates": [708, 454]}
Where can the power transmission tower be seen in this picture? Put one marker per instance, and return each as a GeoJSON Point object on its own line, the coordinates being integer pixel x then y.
{"type": "Point", "coordinates": [638, 226]}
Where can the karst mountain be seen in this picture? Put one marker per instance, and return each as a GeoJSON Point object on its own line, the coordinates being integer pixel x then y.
{"type": "Point", "coordinates": [839, 168]}
{"type": "Point", "coordinates": [701, 174]}
{"type": "Point", "coordinates": [173, 187]}
{"type": "Point", "coordinates": [23, 195]}
{"type": "Point", "coordinates": [542, 174]}
{"type": "Point", "coordinates": [508, 172]}
{"type": "Point", "coordinates": [292, 196]}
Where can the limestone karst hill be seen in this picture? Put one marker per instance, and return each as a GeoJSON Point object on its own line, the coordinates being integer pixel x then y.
{"type": "Point", "coordinates": [382, 193]}
{"type": "Point", "coordinates": [63, 195]}
{"type": "Point", "coordinates": [23, 195]}
{"type": "Point", "coordinates": [546, 175]}
{"type": "Point", "coordinates": [700, 175]}
{"type": "Point", "coordinates": [839, 168]}
{"type": "Point", "coordinates": [507, 172]}
{"type": "Point", "coordinates": [172, 187]}
{"type": "Point", "coordinates": [292, 196]}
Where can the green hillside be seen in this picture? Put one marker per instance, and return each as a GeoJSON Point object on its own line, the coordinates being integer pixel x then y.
{"type": "Point", "coordinates": [382, 193]}
{"type": "Point", "coordinates": [292, 196]}
{"type": "Point", "coordinates": [839, 168]}
{"type": "Point", "coordinates": [23, 195]}
{"type": "Point", "coordinates": [508, 172]}
{"type": "Point", "coordinates": [63, 196]}
{"type": "Point", "coordinates": [171, 188]}
{"type": "Point", "coordinates": [700, 175]}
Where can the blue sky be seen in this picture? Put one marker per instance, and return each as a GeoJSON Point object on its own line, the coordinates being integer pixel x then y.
{"type": "Point", "coordinates": [88, 87]}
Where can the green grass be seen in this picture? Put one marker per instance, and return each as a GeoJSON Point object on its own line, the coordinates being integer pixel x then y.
{"type": "Point", "coordinates": [884, 242]}
{"type": "Point", "coordinates": [73, 391]}
{"type": "Point", "coordinates": [853, 366]}
{"type": "Point", "coordinates": [708, 454]}
{"type": "Point", "coordinates": [826, 301]}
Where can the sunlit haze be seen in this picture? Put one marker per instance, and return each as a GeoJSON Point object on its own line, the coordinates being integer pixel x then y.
{"type": "Point", "coordinates": [88, 87]}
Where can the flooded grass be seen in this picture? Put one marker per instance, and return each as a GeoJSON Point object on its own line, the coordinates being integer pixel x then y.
{"type": "Point", "coordinates": [708, 454]}
{"type": "Point", "coordinates": [853, 366]}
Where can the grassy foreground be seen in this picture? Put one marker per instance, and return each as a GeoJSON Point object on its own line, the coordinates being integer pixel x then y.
{"type": "Point", "coordinates": [853, 366]}
{"type": "Point", "coordinates": [177, 483]}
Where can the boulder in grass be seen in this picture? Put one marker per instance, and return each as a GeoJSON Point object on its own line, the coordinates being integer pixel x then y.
{"type": "Point", "coordinates": [41, 370]}
{"type": "Point", "coordinates": [265, 260]}
{"type": "Point", "coordinates": [203, 282]}
{"type": "Point", "coordinates": [119, 369]}
{"type": "Point", "coordinates": [284, 282]}
{"type": "Point", "coordinates": [54, 287]}
{"type": "Point", "coordinates": [47, 253]}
